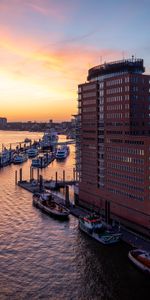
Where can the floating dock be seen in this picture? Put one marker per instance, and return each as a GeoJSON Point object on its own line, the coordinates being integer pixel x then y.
{"type": "Point", "coordinates": [129, 236]}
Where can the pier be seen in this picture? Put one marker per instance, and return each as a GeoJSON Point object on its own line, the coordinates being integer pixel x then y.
{"type": "Point", "coordinates": [38, 185]}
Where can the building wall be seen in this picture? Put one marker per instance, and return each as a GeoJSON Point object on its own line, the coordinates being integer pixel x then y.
{"type": "Point", "coordinates": [115, 147]}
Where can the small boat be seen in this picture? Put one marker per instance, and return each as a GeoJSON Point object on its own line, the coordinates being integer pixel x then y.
{"type": "Point", "coordinates": [62, 152]}
{"type": "Point", "coordinates": [20, 158]}
{"type": "Point", "coordinates": [27, 140]}
{"type": "Point", "coordinates": [46, 202]}
{"type": "Point", "coordinates": [42, 161]}
{"type": "Point", "coordinates": [141, 258]}
{"type": "Point", "coordinates": [99, 230]}
{"type": "Point", "coordinates": [32, 152]}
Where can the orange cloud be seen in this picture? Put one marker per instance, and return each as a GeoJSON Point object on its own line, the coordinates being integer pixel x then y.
{"type": "Point", "coordinates": [40, 82]}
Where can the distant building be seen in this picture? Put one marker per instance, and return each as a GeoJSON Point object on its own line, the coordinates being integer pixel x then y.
{"type": "Point", "coordinates": [114, 151]}
{"type": "Point", "coordinates": [3, 122]}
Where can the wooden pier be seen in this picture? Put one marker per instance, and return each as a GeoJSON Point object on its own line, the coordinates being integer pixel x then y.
{"type": "Point", "coordinates": [34, 186]}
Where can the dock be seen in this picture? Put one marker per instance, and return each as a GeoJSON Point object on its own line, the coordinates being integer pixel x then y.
{"type": "Point", "coordinates": [129, 236]}
{"type": "Point", "coordinates": [37, 188]}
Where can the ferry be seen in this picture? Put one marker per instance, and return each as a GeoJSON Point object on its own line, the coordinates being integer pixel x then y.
{"type": "Point", "coordinates": [99, 230]}
{"type": "Point", "coordinates": [62, 152]}
{"type": "Point", "coordinates": [20, 158]}
{"type": "Point", "coordinates": [46, 203]}
{"type": "Point", "coordinates": [141, 259]}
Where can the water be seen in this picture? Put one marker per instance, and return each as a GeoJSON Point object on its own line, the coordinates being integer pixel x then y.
{"type": "Point", "coordinates": [42, 258]}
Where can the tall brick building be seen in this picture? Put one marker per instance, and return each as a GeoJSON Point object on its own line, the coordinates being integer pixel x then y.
{"type": "Point", "coordinates": [114, 149]}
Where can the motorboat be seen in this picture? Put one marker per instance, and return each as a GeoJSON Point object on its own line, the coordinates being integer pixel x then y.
{"type": "Point", "coordinates": [62, 152]}
{"type": "Point", "coordinates": [46, 202]}
{"type": "Point", "coordinates": [42, 161]}
{"type": "Point", "coordinates": [94, 226]}
{"type": "Point", "coordinates": [141, 259]}
{"type": "Point", "coordinates": [32, 152]}
{"type": "Point", "coordinates": [20, 158]}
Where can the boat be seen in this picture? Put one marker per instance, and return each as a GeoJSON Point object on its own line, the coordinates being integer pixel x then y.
{"type": "Point", "coordinates": [42, 161]}
{"type": "Point", "coordinates": [141, 259]}
{"type": "Point", "coordinates": [46, 203]}
{"type": "Point", "coordinates": [49, 140]}
{"type": "Point", "coordinates": [27, 140]}
{"type": "Point", "coordinates": [20, 158]}
{"type": "Point", "coordinates": [6, 157]}
{"type": "Point", "coordinates": [99, 230]}
{"type": "Point", "coordinates": [32, 152]}
{"type": "Point", "coordinates": [62, 152]}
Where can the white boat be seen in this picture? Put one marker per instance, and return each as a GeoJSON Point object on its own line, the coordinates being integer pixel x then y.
{"type": "Point", "coordinates": [49, 139]}
{"type": "Point", "coordinates": [99, 230]}
{"type": "Point", "coordinates": [42, 161]}
{"type": "Point", "coordinates": [6, 157]}
{"type": "Point", "coordinates": [62, 152]}
{"type": "Point", "coordinates": [20, 158]}
{"type": "Point", "coordinates": [32, 152]}
{"type": "Point", "coordinates": [47, 203]}
{"type": "Point", "coordinates": [141, 259]}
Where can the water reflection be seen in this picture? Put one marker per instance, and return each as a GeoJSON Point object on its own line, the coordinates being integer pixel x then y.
{"type": "Point", "coordinates": [42, 258]}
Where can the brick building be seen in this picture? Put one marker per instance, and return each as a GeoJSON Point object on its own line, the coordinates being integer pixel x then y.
{"type": "Point", "coordinates": [114, 114]}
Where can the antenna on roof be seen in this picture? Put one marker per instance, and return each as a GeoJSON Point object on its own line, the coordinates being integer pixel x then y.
{"type": "Point", "coordinates": [123, 55]}
{"type": "Point", "coordinates": [132, 57]}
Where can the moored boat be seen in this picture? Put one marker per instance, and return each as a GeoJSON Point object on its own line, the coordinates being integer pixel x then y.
{"type": "Point", "coordinates": [49, 140]}
{"type": "Point", "coordinates": [141, 259]}
{"type": "Point", "coordinates": [32, 152]}
{"type": "Point", "coordinates": [42, 161]}
{"type": "Point", "coordinates": [62, 152]}
{"type": "Point", "coordinates": [20, 158]}
{"type": "Point", "coordinates": [99, 230]}
{"type": "Point", "coordinates": [47, 203]}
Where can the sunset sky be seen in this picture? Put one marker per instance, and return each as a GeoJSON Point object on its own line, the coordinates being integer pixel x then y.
{"type": "Point", "coordinates": [47, 47]}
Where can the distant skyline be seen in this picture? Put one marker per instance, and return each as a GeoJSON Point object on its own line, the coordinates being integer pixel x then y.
{"type": "Point", "coordinates": [47, 47]}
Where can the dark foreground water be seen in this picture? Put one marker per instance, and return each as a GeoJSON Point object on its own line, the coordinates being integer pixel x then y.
{"type": "Point", "coordinates": [42, 258]}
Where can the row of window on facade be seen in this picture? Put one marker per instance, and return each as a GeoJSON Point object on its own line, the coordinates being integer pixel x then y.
{"type": "Point", "coordinates": [125, 185]}
{"type": "Point", "coordinates": [127, 159]}
{"type": "Point", "coordinates": [117, 98]}
{"type": "Point", "coordinates": [117, 115]}
{"type": "Point", "coordinates": [117, 107]}
{"type": "Point", "coordinates": [128, 195]}
{"type": "Point", "coordinates": [126, 168]}
{"type": "Point", "coordinates": [125, 150]}
{"type": "Point", "coordinates": [125, 176]}
{"type": "Point", "coordinates": [118, 90]}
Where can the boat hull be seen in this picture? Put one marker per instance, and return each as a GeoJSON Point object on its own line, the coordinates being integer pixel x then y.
{"type": "Point", "coordinates": [138, 263]}
{"type": "Point", "coordinates": [55, 214]}
{"type": "Point", "coordinates": [105, 238]}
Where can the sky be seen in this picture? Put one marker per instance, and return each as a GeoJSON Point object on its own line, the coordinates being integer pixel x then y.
{"type": "Point", "coordinates": [47, 47]}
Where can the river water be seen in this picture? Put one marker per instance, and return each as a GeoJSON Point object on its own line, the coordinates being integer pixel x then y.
{"type": "Point", "coordinates": [42, 258]}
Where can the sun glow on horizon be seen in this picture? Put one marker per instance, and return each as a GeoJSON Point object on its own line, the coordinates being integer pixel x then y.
{"type": "Point", "coordinates": [47, 47]}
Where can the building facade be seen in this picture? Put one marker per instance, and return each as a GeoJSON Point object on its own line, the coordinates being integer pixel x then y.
{"type": "Point", "coordinates": [114, 114]}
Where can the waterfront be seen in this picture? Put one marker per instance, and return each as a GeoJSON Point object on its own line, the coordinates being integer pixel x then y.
{"type": "Point", "coordinates": [42, 258]}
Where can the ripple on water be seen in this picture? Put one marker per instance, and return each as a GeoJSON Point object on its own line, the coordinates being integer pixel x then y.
{"type": "Point", "coordinates": [42, 258]}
